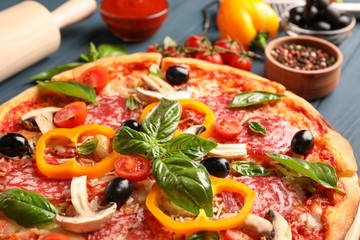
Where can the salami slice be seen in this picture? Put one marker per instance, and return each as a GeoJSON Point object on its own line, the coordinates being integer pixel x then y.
{"type": "Point", "coordinates": [277, 139]}
{"type": "Point", "coordinates": [28, 177]}
{"type": "Point", "coordinates": [111, 112]}
{"type": "Point", "coordinates": [118, 228]}
{"type": "Point", "coordinates": [218, 105]}
{"type": "Point", "coordinates": [271, 193]}
{"type": "Point", "coordinates": [140, 229]}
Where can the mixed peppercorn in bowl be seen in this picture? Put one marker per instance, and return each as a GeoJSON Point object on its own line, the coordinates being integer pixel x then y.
{"type": "Point", "coordinates": [306, 65]}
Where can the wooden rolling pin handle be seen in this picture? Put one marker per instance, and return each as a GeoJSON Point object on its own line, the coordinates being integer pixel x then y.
{"type": "Point", "coordinates": [73, 11]}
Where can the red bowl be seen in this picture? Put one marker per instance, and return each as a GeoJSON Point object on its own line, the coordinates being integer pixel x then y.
{"type": "Point", "coordinates": [134, 29]}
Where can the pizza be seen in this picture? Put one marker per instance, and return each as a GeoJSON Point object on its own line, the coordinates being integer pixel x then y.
{"type": "Point", "coordinates": [144, 147]}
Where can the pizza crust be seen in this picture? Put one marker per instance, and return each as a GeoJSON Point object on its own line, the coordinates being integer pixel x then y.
{"type": "Point", "coordinates": [278, 88]}
{"type": "Point", "coordinates": [344, 156]}
{"type": "Point", "coordinates": [341, 217]}
{"type": "Point", "coordinates": [27, 95]}
{"type": "Point", "coordinates": [108, 62]}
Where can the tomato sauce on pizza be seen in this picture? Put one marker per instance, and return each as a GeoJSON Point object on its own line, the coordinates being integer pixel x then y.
{"type": "Point", "coordinates": [242, 158]}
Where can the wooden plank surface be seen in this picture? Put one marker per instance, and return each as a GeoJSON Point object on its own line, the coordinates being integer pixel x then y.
{"type": "Point", "coordinates": [341, 108]}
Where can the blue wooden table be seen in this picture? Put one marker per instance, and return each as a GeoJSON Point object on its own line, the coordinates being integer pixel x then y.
{"type": "Point", "coordinates": [341, 108]}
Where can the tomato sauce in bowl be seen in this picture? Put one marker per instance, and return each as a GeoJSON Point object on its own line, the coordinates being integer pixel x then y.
{"type": "Point", "coordinates": [134, 20]}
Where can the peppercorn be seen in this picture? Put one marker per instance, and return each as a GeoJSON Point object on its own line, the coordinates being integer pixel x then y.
{"type": "Point", "coordinates": [302, 57]}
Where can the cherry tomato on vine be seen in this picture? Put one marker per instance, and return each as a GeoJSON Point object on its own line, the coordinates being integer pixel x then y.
{"type": "Point", "coordinates": [197, 41]}
{"type": "Point", "coordinates": [132, 167]}
{"type": "Point", "coordinates": [72, 115]}
{"type": "Point", "coordinates": [234, 234]}
{"type": "Point", "coordinates": [210, 57]}
{"type": "Point", "coordinates": [241, 63]}
{"type": "Point", "coordinates": [154, 48]}
{"type": "Point", "coordinates": [55, 236]}
{"type": "Point", "coordinates": [227, 44]}
{"type": "Point", "coordinates": [227, 127]}
{"type": "Point", "coordinates": [96, 77]}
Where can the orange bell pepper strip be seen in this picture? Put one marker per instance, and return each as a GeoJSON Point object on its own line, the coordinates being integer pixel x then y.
{"type": "Point", "coordinates": [202, 222]}
{"type": "Point", "coordinates": [190, 104]}
{"type": "Point", "coordinates": [71, 168]}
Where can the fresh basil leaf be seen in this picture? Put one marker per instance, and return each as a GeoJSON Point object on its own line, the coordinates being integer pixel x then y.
{"type": "Point", "coordinates": [163, 120]}
{"type": "Point", "coordinates": [186, 183]}
{"type": "Point", "coordinates": [155, 70]}
{"type": "Point", "coordinates": [257, 127]}
{"type": "Point", "coordinates": [318, 171]}
{"type": "Point", "coordinates": [251, 98]}
{"type": "Point", "coordinates": [169, 42]}
{"type": "Point", "coordinates": [131, 103]}
{"type": "Point", "coordinates": [110, 50]}
{"type": "Point", "coordinates": [156, 151]}
{"type": "Point", "coordinates": [190, 145]}
{"type": "Point", "coordinates": [249, 169]}
{"type": "Point", "coordinates": [205, 235]}
{"type": "Point", "coordinates": [72, 88]}
{"type": "Point", "coordinates": [129, 142]}
{"type": "Point", "coordinates": [26, 208]}
{"type": "Point", "coordinates": [91, 55]}
{"type": "Point", "coordinates": [88, 147]}
{"type": "Point", "coordinates": [47, 75]}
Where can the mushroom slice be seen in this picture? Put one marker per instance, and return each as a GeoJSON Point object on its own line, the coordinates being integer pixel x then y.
{"type": "Point", "coordinates": [281, 229]}
{"type": "Point", "coordinates": [148, 96]}
{"type": "Point", "coordinates": [40, 119]}
{"type": "Point", "coordinates": [86, 220]}
{"type": "Point", "coordinates": [256, 227]}
{"type": "Point", "coordinates": [157, 84]}
{"type": "Point", "coordinates": [229, 150]}
{"type": "Point", "coordinates": [196, 129]}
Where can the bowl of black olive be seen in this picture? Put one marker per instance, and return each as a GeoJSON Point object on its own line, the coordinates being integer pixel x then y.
{"type": "Point", "coordinates": [318, 18]}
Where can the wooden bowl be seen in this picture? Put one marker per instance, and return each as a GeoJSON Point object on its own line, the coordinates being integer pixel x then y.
{"type": "Point", "coordinates": [309, 84]}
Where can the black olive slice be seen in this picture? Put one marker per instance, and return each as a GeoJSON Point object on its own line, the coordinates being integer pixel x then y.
{"type": "Point", "coordinates": [302, 142]}
{"type": "Point", "coordinates": [217, 166]}
{"type": "Point", "coordinates": [177, 75]}
{"type": "Point", "coordinates": [14, 145]}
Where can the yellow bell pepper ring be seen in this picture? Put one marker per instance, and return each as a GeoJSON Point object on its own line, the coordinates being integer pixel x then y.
{"type": "Point", "coordinates": [246, 21]}
{"type": "Point", "coordinates": [191, 104]}
{"type": "Point", "coordinates": [71, 168]}
{"type": "Point", "coordinates": [202, 222]}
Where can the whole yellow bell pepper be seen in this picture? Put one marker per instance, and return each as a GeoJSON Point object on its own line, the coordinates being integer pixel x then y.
{"type": "Point", "coordinates": [251, 22]}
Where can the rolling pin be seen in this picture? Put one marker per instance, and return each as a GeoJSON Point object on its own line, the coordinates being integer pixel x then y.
{"type": "Point", "coordinates": [29, 32]}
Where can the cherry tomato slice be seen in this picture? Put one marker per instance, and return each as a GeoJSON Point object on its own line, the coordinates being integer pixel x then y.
{"type": "Point", "coordinates": [133, 167]}
{"type": "Point", "coordinates": [227, 127]}
{"type": "Point", "coordinates": [234, 234]}
{"type": "Point", "coordinates": [72, 115]}
{"type": "Point", "coordinates": [55, 236]}
{"type": "Point", "coordinates": [96, 77]}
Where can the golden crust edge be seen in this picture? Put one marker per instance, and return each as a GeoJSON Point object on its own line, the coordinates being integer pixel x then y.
{"type": "Point", "coordinates": [107, 62]}
{"type": "Point", "coordinates": [210, 66]}
{"type": "Point", "coordinates": [344, 156]}
{"type": "Point", "coordinates": [26, 95]}
{"type": "Point", "coordinates": [341, 218]}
